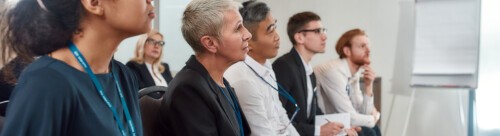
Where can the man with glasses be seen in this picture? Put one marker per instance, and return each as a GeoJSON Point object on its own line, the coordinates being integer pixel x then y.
{"type": "Point", "coordinates": [254, 80]}
{"type": "Point", "coordinates": [338, 82]}
{"type": "Point", "coordinates": [295, 74]}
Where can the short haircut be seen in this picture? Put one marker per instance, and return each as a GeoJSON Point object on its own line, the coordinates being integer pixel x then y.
{"type": "Point", "coordinates": [204, 18]}
{"type": "Point", "coordinates": [253, 12]}
{"type": "Point", "coordinates": [345, 41]}
{"type": "Point", "coordinates": [298, 21]}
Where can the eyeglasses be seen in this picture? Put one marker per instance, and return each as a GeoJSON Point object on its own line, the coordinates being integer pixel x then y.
{"type": "Point", "coordinates": [154, 42]}
{"type": "Point", "coordinates": [318, 31]}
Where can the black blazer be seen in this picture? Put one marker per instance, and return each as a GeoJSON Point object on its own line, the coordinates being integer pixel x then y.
{"type": "Point", "coordinates": [195, 106]}
{"type": "Point", "coordinates": [142, 73]}
{"type": "Point", "coordinates": [290, 73]}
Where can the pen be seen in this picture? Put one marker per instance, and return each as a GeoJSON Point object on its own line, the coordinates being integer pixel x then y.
{"type": "Point", "coordinates": [327, 120]}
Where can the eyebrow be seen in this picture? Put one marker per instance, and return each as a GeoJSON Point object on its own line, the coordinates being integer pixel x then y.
{"type": "Point", "coordinates": [271, 25]}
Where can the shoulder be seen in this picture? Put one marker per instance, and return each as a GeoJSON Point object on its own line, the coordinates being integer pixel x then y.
{"type": "Point", "coordinates": [123, 71]}
{"type": "Point", "coordinates": [120, 66]}
{"type": "Point", "coordinates": [331, 65]}
{"type": "Point", "coordinates": [188, 78]}
{"type": "Point", "coordinates": [164, 64]}
{"type": "Point", "coordinates": [132, 64]}
{"type": "Point", "coordinates": [285, 60]}
{"type": "Point", "coordinates": [285, 57]}
{"type": "Point", "coordinates": [46, 77]}
{"type": "Point", "coordinates": [237, 72]}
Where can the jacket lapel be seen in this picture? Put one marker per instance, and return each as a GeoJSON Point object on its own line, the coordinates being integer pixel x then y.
{"type": "Point", "coordinates": [302, 72]}
{"type": "Point", "coordinates": [147, 75]}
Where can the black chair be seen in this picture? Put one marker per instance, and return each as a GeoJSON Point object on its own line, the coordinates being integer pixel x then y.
{"type": "Point", "coordinates": [2, 119]}
{"type": "Point", "coordinates": [3, 107]}
{"type": "Point", "coordinates": [150, 101]}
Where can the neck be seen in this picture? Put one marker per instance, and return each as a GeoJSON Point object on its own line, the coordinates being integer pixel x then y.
{"type": "Point", "coordinates": [215, 65]}
{"type": "Point", "coordinates": [96, 47]}
{"type": "Point", "coordinates": [304, 53]}
{"type": "Point", "coordinates": [259, 59]}
{"type": "Point", "coordinates": [352, 66]}
{"type": "Point", "coordinates": [149, 60]}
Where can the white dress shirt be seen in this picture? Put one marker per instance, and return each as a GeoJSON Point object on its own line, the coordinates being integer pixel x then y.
{"type": "Point", "coordinates": [310, 91]}
{"type": "Point", "coordinates": [159, 80]}
{"type": "Point", "coordinates": [259, 101]}
{"type": "Point", "coordinates": [309, 70]}
{"type": "Point", "coordinates": [333, 80]}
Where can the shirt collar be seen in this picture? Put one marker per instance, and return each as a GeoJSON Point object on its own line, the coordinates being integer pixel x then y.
{"type": "Point", "coordinates": [348, 70]}
{"type": "Point", "coordinates": [307, 67]}
{"type": "Point", "coordinates": [262, 70]}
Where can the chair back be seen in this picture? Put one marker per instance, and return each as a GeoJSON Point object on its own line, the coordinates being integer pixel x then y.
{"type": "Point", "coordinates": [150, 101]}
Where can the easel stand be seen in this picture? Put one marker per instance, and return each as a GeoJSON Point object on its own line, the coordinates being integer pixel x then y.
{"type": "Point", "coordinates": [471, 127]}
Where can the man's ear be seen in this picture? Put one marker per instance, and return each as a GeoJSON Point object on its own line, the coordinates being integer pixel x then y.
{"type": "Point", "coordinates": [210, 43]}
{"type": "Point", "coordinates": [299, 38]}
{"type": "Point", "coordinates": [93, 6]}
{"type": "Point", "coordinates": [347, 51]}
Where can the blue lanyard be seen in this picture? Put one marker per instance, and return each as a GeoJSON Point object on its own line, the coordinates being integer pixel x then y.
{"type": "Point", "coordinates": [87, 68]}
{"type": "Point", "coordinates": [282, 92]}
{"type": "Point", "coordinates": [348, 89]}
{"type": "Point", "coordinates": [233, 105]}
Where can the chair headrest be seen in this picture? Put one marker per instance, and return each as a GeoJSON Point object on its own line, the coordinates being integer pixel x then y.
{"type": "Point", "coordinates": [155, 92]}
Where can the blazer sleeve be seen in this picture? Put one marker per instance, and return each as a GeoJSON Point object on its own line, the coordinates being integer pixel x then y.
{"type": "Point", "coordinates": [188, 104]}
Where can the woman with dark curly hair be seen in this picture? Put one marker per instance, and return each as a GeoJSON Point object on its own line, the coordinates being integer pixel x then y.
{"type": "Point", "coordinates": [75, 87]}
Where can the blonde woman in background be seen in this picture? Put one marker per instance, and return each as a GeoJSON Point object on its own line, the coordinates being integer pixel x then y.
{"type": "Point", "coordinates": [147, 64]}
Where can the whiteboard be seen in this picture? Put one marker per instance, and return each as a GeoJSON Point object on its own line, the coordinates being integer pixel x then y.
{"type": "Point", "coordinates": [446, 50]}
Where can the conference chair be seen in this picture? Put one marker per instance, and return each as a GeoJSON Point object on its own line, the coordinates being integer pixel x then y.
{"type": "Point", "coordinates": [150, 101]}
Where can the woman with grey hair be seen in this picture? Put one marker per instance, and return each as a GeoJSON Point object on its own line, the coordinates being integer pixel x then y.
{"type": "Point", "coordinates": [199, 101]}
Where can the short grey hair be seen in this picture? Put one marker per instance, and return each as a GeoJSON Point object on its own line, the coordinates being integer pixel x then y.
{"type": "Point", "coordinates": [204, 18]}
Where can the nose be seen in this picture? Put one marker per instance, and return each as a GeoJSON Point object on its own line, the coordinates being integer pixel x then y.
{"type": "Point", "coordinates": [149, 1]}
{"type": "Point", "coordinates": [246, 34]}
{"type": "Point", "coordinates": [324, 36]}
{"type": "Point", "coordinates": [276, 36]}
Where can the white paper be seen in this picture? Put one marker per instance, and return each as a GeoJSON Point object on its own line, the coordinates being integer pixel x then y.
{"type": "Point", "coordinates": [344, 118]}
{"type": "Point", "coordinates": [447, 37]}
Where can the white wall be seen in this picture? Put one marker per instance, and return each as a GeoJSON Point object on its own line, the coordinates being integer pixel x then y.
{"type": "Point", "coordinates": [389, 24]}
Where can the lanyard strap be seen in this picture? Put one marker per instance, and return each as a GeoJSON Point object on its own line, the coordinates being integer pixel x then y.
{"type": "Point", "coordinates": [234, 105]}
{"type": "Point", "coordinates": [282, 92]}
{"type": "Point", "coordinates": [98, 86]}
{"type": "Point", "coordinates": [348, 89]}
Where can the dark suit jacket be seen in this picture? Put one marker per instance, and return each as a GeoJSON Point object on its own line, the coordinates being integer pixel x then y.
{"type": "Point", "coordinates": [195, 106]}
{"type": "Point", "coordinates": [146, 79]}
{"type": "Point", "coordinates": [290, 73]}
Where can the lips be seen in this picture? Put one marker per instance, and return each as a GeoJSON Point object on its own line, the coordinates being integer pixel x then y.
{"type": "Point", "coordinates": [151, 14]}
{"type": "Point", "coordinates": [245, 49]}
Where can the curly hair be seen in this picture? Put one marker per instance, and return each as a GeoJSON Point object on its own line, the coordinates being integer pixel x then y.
{"type": "Point", "coordinates": [28, 30]}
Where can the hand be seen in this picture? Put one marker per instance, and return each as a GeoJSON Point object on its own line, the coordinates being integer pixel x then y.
{"type": "Point", "coordinates": [356, 128]}
{"type": "Point", "coordinates": [369, 76]}
{"type": "Point", "coordinates": [351, 132]}
{"type": "Point", "coordinates": [331, 128]}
